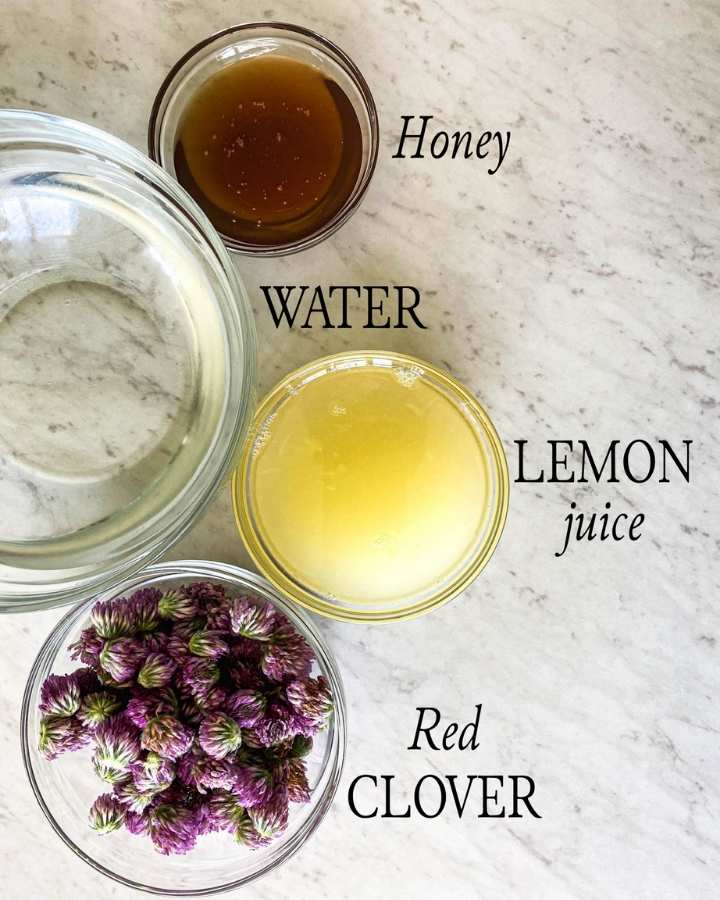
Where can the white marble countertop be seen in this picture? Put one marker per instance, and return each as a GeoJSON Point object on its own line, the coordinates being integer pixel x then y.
{"type": "Point", "coordinates": [576, 293]}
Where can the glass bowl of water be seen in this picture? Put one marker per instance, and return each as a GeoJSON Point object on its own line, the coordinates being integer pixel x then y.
{"type": "Point", "coordinates": [127, 361]}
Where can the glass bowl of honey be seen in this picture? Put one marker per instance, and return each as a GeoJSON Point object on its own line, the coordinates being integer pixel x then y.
{"type": "Point", "coordinates": [373, 487]}
{"type": "Point", "coordinates": [272, 130]}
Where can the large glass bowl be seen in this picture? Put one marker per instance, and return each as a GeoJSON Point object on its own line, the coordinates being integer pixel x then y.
{"type": "Point", "coordinates": [126, 360]}
{"type": "Point", "coordinates": [66, 787]}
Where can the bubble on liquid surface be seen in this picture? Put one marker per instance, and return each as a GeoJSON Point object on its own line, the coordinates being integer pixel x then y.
{"type": "Point", "coordinates": [407, 375]}
{"type": "Point", "coordinates": [263, 435]}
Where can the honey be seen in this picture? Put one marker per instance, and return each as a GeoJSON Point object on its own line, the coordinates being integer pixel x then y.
{"type": "Point", "coordinates": [270, 148]}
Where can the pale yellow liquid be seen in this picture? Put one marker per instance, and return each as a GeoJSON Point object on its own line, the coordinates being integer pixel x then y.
{"type": "Point", "coordinates": [369, 485]}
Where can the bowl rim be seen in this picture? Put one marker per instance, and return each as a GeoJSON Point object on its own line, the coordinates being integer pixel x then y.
{"type": "Point", "coordinates": [300, 593]}
{"type": "Point", "coordinates": [147, 540]}
{"type": "Point", "coordinates": [328, 48]}
{"type": "Point", "coordinates": [254, 583]}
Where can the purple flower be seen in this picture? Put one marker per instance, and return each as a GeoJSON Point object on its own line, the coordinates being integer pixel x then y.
{"type": "Point", "coordinates": [207, 643]}
{"type": "Point", "coordinates": [60, 695]}
{"type": "Point", "coordinates": [201, 773]}
{"type": "Point", "coordinates": [87, 679]}
{"type": "Point", "coordinates": [116, 744]}
{"type": "Point", "coordinates": [219, 735]}
{"type": "Point", "coordinates": [311, 697]}
{"type": "Point", "coordinates": [253, 785]}
{"type": "Point", "coordinates": [247, 707]}
{"type": "Point", "coordinates": [136, 823]}
{"type": "Point", "coordinates": [245, 675]}
{"type": "Point", "coordinates": [246, 833]}
{"type": "Point", "coordinates": [225, 810]}
{"type": "Point", "coordinates": [157, 671]}
{"type": "Point", "coordinates": [167, 736]}
{"type": "Point", "coordinates": [251, 619]}
{"type": "Point", "coordinates": [245, 650]}
{"type": "Point", "coordinates": [143, 609]}
{"type": "Point", "coordinates": [278, 724]}
{"type": "Point", "coordinates": [206, 821]}
{"type": "Point", "coordinates": [172, 829]}
{"type": "Point", "coordinates": [61, 734]}
{"type": "Point", "coordinates": [177, 606]}
{"type": "Point", "coordinates": [98, 707]}
{"type": "Point", "coordinates": [121, 658]}
{"type": "Point", "coordinates": [106, 814]}
{"type": "Point", "coordinates": [288, 653]}
{"type": "Point", "coordinates": [145, 705]}
{"type": "Point", "coordinates": [296, 780]}
{"type": "Point", "coordinates": [87, 647]}
{"type": "Point", "coordinates": [215, 773]}
{"type": "Point", "coordinates": [108, 774]}
{"type": "Point", "coordinates": [152, 774]}
{"type": "Point", "coordinates": [199, 675]}
{"type": "Point", "coordinates": [111, 618]}
{"type": "Point", "coordinates": [206, 592]}
{"type": "Point", "coordinates": [131, 798]}
{"type": "Point", "coordinates": [215, 699]}
{"type": "Point", "coordinates": [155, 642]}
{"type": "Point", "coordinates": [270, 818]}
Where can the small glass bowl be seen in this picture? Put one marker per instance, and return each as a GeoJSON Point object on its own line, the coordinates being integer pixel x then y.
{"type": "Point", "coordinates": [128, 361]}
{"type": "Point", "coordinates": [225, 48]}
{"type": "Point", "coordinates": [66, 787]}
{"type": "Point", "coordinates": [364, 604]}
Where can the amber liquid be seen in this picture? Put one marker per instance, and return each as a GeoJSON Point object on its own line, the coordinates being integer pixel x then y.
{"type": "Point", "coordinates": [270, 149]}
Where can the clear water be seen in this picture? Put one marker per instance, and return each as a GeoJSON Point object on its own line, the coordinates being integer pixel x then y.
{"type": "Point", "coordinates": [112, 356]}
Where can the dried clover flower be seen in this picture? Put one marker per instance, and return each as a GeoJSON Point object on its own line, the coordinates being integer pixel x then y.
{"type": "Point", "coordinates": [167, 736]}
{"type": "Point", "coordinates": [59, 734]}
{"type": "Point", "coordinates": [311, 697]}
{"type": "Point", "coordinates": [60, 695]}
{"type": "Point", "coordinates": [98, 707]}
{"type": "Point", "coordinates": [277, 725]}
{"type": "Point", "coordinates": [288, 653]}
{"type": "Point", "coordinates": [198, 675]}
{"type": "Point", "coordinates": [219, 735]}
{"type": "Point", "coordinates": [116, 744]}
{"type": "Point", "coordinates": [253, 785]}
{"type": "Point", "coordinates": [157, 671]}
{"type": "Point", "coordinates": [296, 780]}
{"type": "Point", "coordinates": [121, 657]}
{"type": "Point", "coordinates": [177, 606]}
{"type": "Point", "coordinates": [172, 829]}
{"type": "Point", "coordinates": [252, 620]}
{"type": "Point", "coordinates": [145, 705]}
{"type": "Point", "coordinates": [143, 610]}
{"type": "Point", "coordinates": [246, 833]}
{"type": "Point", "coordinates": [106, 814]}
{"type": "Point", "coordinates": [207, 643]}
{"type": "Point", "coordinates": [108, 773]}
{"type": "Point", "coordinates": [226, 809]}
{"type": "Point", "coordinates": [87, 647]}
{"type": "Point", "coordinates": [111, 618]}
{"type": "Point", "coordinates": [270, 818]}
{"type": "Point", "coordinates": [131, 798]}
{"type": "Point", "coordinates": [136, 823]}
{"type": "Point", "coordinates": [152, 774]}
{"type": "Point", "coordinates": [247, 707]}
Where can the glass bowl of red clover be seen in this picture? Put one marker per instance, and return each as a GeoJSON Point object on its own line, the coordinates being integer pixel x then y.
{"type": "Point", "coordinates": [184, 733]}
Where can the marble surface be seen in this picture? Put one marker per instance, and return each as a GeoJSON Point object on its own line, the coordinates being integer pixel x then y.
{"type": "Point", "coordinates": [575, 292]}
